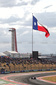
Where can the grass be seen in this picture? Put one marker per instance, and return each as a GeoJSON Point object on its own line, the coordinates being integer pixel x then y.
{"type": "Point", "coordinates": [52, 78]}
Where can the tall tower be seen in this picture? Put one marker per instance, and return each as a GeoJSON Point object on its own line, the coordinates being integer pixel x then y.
{"type": "Point", "coordinates": [14, 41]}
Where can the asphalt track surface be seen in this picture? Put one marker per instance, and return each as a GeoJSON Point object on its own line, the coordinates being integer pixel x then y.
{"type": "Point", "coordinates": [27, 79]}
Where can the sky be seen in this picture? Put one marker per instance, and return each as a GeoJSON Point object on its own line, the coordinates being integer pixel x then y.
{"type": "Point", "coordinates": [18, 14]}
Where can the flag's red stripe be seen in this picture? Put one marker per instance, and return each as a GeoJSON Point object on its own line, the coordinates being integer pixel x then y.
{"type": "Point", "coordinates": [43, 29]}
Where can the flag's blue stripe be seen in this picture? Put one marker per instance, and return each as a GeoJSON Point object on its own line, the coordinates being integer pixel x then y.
{"type": "Point", "coordinates": [35, 25]}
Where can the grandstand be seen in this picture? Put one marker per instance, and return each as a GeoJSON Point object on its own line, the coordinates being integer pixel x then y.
{"type": "Point", "coordinates": [13, 64]}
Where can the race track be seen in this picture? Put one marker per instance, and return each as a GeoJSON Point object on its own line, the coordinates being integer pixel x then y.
{"type": "Point", "coordinates": [27, 78]}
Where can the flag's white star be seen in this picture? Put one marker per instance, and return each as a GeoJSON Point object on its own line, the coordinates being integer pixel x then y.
{"type": "Point", "coordinates": [34, 23]}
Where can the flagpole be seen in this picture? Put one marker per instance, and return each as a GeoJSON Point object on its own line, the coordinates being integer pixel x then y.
{"type": "Point", "coordinates": [32, 34]}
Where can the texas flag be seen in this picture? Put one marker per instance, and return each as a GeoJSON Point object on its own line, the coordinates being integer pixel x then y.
{"type": "Point", "coordinates": [39, 27]}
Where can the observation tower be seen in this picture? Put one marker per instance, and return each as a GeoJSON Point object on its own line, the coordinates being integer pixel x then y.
{"type": "Point", "coordinates": [14, 40]}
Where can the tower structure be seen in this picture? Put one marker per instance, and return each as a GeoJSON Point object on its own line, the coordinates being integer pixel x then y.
{"type": "Point", "coordinates": [14, 40]}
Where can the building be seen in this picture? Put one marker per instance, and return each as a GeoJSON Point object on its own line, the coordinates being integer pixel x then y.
{"type": "Point", "coordinates": [2, 54]}
{"type": "Point", "coordinates": [24, 55]}
{"type": "Point", "coordinates": [12, 54]}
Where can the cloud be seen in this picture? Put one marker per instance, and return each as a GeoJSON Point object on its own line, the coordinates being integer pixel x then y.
{"type": "Point", "coordinates": [7, 3]}
{"type": "Point", "coordinates": [21, 4]}
{"type": "Point", "coordinates": [6, 13]}
{"type": "Point", "coordinates": [12, 3]}
{"type": "Point", "coordinates": [33, 2]}
{"type": "Point", "coordinates": [10, 20]}
{"type": "Point", "coordinates": [4, 35]}
{"type": "Point", "coordinates": [47, 18]}
{"type": "Point", "coordinates": [47, 6]}
{"type": "Point", "coordinates": [24, 33]}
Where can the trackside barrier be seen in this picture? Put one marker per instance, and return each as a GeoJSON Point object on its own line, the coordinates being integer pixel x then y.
{"type": "Point", "coordinates": [47, 69]}
{"type": "Point", "coordinates": [7, 72]}
{"type": "Point", "coordinates": [54, 69]}
{"type": "Point", "coordinates": [34, 70]}
{"type": "Point", "coordinates": [51, 69]}
{"type": "Point", "coordinates": [12, 72]}
{"type": "Point", "coordinates": [17, 71]}
{"type": "Point", "coordinates": [43, 69]}
{"type": "Point", "coordinates": [30, 70]}
{"type": "Point", "coordinates": [2, 71]}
